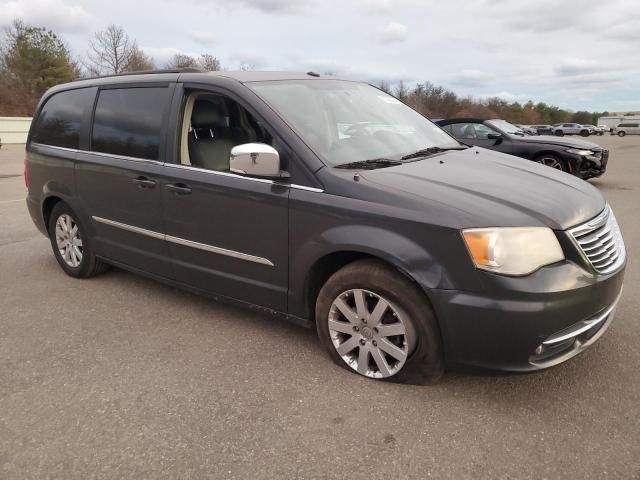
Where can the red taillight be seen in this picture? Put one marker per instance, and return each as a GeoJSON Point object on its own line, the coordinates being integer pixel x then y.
{"type": "Point", "coordinates": [27, 183]}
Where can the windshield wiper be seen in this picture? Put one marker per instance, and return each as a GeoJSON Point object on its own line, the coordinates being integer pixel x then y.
{"type": "Point", "coordinates": [425, 152]}
{"type": "Point", "coordinates": [370, 164]}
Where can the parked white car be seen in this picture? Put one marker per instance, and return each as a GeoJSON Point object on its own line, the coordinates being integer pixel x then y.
{"type": "Point", "coordinates": [596, 130]}
{"type": "Point", "coordinates": [627, 128]}
{"type": "Point", "coordinates": [561, 129]}
{"type": "Point", "coordinates": [527, 129]}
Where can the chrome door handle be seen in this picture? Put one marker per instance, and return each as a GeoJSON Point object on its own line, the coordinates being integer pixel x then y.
{"type": "Point", "coordinates": [144, 182]}
{"type": "Point", "coordinates": [178, 188]}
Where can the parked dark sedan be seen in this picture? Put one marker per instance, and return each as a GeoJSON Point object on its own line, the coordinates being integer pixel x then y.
{"type": "Point", "coordinates": [578, 157]}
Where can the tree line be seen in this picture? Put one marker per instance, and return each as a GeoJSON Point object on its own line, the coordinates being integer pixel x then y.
{"type": "Point", "coordinates": [33, 59]}
{"type": "Point", "coordinates": [437, 102]}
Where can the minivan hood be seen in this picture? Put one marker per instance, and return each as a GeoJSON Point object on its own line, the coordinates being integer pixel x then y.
{"type": "Point", "coordinates": [560, 141]}
{"type": "Point", "coordinates": [482, 188]}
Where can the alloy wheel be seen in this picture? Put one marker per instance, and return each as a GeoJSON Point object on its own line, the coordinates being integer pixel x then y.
{"type": "Point", "coordinates": [69, 240]}
{"type": "Point", "coordinates": [372, 336]}
{"type": "Point", "coordinates": [550, 162]}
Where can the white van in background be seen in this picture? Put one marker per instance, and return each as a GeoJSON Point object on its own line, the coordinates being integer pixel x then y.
{"type": "Point", "coordinates": [612, 122]}
{"type": "Point", "coordinates": [627, 128]}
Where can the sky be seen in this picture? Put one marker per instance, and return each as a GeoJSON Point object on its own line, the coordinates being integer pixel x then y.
{"type": "Point", "coordinates": [579, 55]}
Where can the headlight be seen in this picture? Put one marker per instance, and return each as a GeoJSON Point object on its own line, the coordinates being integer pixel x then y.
{"type": "Point", "coordinates": [512, 251]}
{"type": "Point", "coordinates": [582, 153]}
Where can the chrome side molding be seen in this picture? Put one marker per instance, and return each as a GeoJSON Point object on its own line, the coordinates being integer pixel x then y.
{"type": "Point", "coordinates": [187, 243]}
{"type": "Point", "coordinates": [130, 228]}
{"type": "Point", "coordinates": [220, 251]}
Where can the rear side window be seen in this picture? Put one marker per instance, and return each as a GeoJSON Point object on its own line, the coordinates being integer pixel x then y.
{"type": "Point", "coordinates": [59, 121]}
{"type": "Point", "coordinates": [128, 121]}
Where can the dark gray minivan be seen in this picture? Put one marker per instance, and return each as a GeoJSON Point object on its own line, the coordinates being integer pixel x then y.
{"type": "Point", "coordinates": [331, 203]}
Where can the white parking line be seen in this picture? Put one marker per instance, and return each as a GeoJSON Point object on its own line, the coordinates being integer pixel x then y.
{"type": "Point", "coordinates": [12, 201]}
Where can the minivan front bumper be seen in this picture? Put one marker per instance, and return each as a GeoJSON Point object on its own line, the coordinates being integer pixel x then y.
{"type": "Point", "coordinates": [569, 342]}
{"type": "Point", "coordinates": [521, 327]}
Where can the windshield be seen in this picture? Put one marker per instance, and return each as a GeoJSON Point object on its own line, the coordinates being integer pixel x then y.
{"type": "Point", "coordinates": [506, 127]}
{"type": "Point", "coordinates": [347, 122]}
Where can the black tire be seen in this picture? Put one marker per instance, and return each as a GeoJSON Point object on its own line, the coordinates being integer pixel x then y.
{"type": "Point", "coordinates": [425, 363]}
{"type": "Point", "coordinates": [559, 133]}
{"type": "Point", "coordinates": [89, 265]}
{"type": "Point", "coordinates": [622, 134]}
{"type": "Point", "coordinates": [547, 158]}
{"type": "Point", "coordinates": [584, 133]}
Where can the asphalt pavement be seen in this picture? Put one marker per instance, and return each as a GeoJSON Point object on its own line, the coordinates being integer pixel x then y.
{"type": "Point", "coordinates": [122, 377]}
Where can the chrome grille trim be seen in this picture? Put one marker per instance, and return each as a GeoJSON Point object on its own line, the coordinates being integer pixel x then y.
{"type": "Point", "coordinates": [600, 242]}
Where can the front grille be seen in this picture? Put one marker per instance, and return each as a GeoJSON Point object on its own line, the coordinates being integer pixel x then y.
{"type": "Point", "coordinates": [600, 240]}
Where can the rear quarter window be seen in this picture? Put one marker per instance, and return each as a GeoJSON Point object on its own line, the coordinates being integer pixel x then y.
{"type": "Point", "coordinates": [129, 121]}
{"type": "Point", "coordinates": [60, 118]}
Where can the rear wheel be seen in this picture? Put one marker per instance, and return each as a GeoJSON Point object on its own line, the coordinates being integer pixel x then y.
{"type": "Point", "coordinates": [622, 134]}
{"type": "Point", "coordinates": [552, 161]}
{"type": "Point", "coordinates": [374, 322]}
{"type": "Point", "coordinates": [70, 244]}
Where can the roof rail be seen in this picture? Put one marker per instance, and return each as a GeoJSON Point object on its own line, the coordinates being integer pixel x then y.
{"type": "Point", "coordinates": [148, 72]}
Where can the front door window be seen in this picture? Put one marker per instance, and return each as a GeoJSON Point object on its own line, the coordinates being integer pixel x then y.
{"type": "Point", "coordinates": [213, 125]}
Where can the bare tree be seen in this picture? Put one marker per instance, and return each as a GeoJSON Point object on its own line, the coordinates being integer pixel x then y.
{"type": "Point", "coordinates": [139, 62]}
{"type": "Point", "coordinates": [206, 62]}
{"type": "Point", "coordinates": [182, 60]}
{"type": "Point", "coordinates": [111, 51]}
{"type": "Point", "coordinates": [385, 87]}
{"type": "Point", "coordinates": [401, 91]}
{"type": "Point", "coordinates": [209, 63]}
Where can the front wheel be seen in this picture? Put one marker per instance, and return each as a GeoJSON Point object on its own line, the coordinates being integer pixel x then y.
{"type": "Point", "coordinates": [622, 134]}
{"type": "Point", "coordinates": [70, 244]}
{"type": "Point", "coordinates": [552, 161]}
{"type": "Point", "coordinates": [374, 322]}
{"type": "Point", "coordinates": [559, 133]}
{"type": "Point", "coordinates": [584, 133]}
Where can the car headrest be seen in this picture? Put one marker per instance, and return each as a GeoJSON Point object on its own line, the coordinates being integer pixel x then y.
{"type": "Point", "coordinates": [206, 115]}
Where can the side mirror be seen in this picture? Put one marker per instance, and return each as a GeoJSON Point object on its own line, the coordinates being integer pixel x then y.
{"type": "Point", "coordinates": [257, 159]}
{"type": "Point", "coordinates": [494, 136]}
